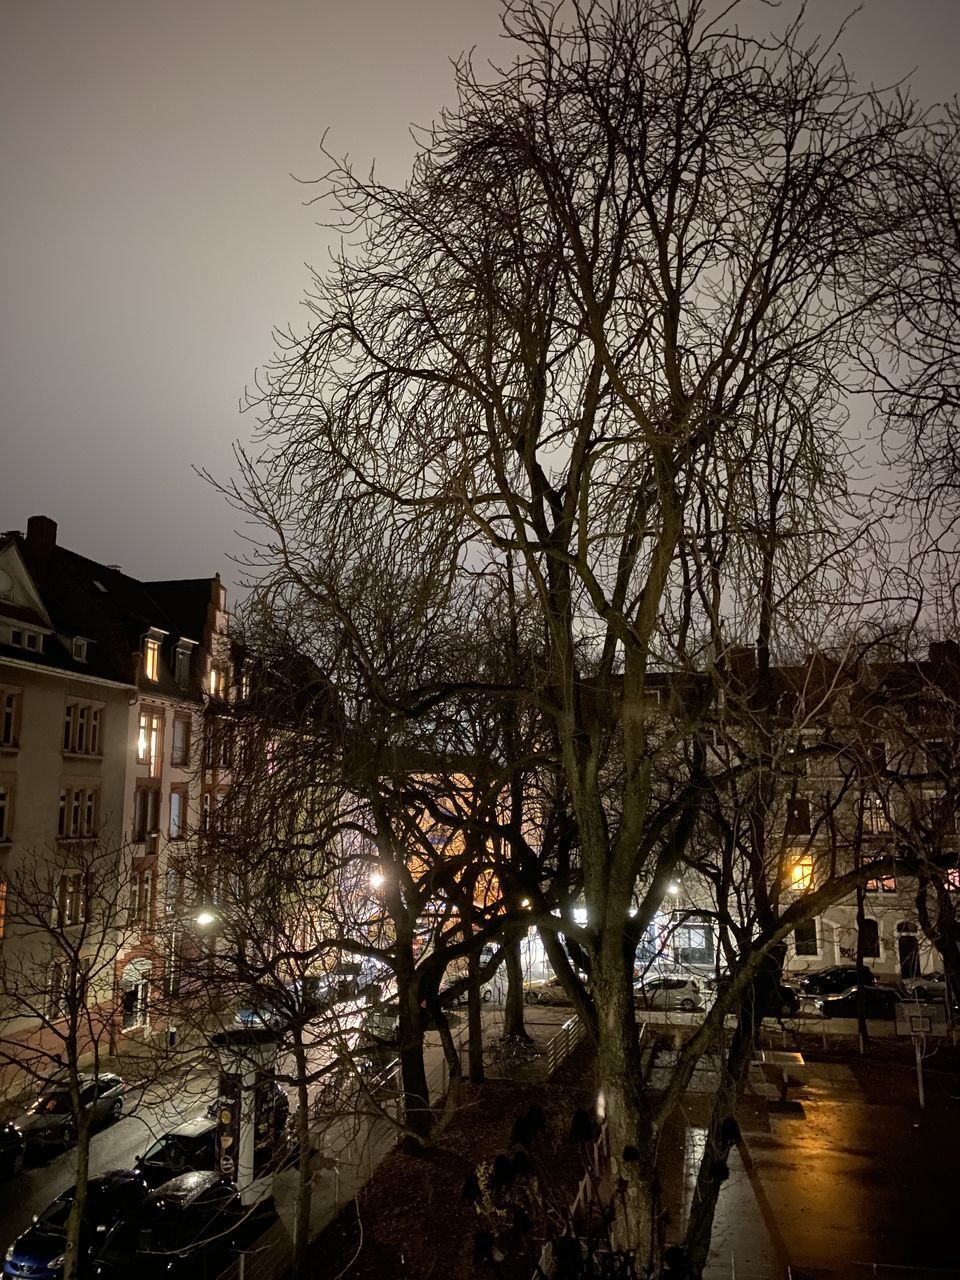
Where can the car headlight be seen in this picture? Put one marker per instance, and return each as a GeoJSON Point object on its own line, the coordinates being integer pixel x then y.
{"type": "Point", "coordinates": [56, 1263]}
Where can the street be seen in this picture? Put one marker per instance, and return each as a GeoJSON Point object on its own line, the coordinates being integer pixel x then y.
{"type": "Point", "coordinates": [115, 1146]}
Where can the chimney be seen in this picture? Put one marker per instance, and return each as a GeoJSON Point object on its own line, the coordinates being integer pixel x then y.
{"type": "Point", "coordinates": [41, 535]}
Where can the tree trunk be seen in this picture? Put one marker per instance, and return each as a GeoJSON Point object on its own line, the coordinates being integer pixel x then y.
{"type": "Point", "coordinates": [861, 998]}
{"type": "Point", "coordinates": [71, 1262]}
{"type": "Point", "coordinates": [301, 1235]}
{"type": "Point", "coordinates": [513, 1024]}
{"type": "Point", "coordinates": [632, 1135]}
{"type": "Point", "coordinates": [474, 1020]}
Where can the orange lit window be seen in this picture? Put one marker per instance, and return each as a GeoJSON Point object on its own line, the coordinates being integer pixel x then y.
{"type": "Point", "coordinates": [151, 659]}
{"type": "Point", "coordinates": [800, 872]}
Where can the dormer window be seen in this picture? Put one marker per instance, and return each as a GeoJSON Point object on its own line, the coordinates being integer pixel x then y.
{"type": "Point", "coordinates": [79, 649]}
{"type": "Point", "coordinates": [24, 639]}
{"type": "Point", "coordinates": [182, 664]}
{"type": "Point", "coordinates": [151, 658]}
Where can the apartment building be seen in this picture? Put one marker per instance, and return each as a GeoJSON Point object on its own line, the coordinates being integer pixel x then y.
{"type": "Point", "coordinates": [111, 691]}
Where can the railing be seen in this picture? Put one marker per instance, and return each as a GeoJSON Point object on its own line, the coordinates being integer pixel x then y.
{"type": "Point", "coordinates": [563, 1043]}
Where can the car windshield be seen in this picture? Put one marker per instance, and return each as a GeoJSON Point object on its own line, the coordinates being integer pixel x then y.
{"type": "Point", "coordinates": [180, 1151]}
{"type": "Point", "coordinates": [53, 1220]}
{"type": "Point", "coordinates": [52, 1104]}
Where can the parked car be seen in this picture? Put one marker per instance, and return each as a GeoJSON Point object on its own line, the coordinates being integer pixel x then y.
{"type": "Point", "coordinates": [40, 1250]}
{"type": "Point", "coordinates": [545, 991]}
{"type": "Point", "coordinates": [189, 1147]}
{"type": "Point", "coordinates": [926, 986]}
{"type": "Point", "coordinates": [669, 993]}
{"type": "Point", "coordinates": [185, 1230]}
{"type": "Point", "coordinates": [834, 979]}
{"type": "Point", "coordinates": [48, 1122]}
{"type": "Point", "coordinates": [879, 1002]}
{"type": "Point", "coordinates": [13, 1146]}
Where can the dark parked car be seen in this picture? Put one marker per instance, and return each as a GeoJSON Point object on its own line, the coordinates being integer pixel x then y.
{"type": "Point", "coordinates": [40, 1250]}
{"type": "Point", "coordinates": [185, 1230]}
{"type": "Point", "coordinates": [13, 1146]}
{"type": "Point", "coordinates": [190, 1147]}
{"type": "Point", "coordinates": [48, 1122]}
{"type": "Point", "coordinates": [834, 979]}
{"type": "Point", "coordinates": [879, 1002]}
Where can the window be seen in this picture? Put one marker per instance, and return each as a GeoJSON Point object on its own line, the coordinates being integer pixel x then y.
{"type": "Point", "coordinates": [71, 899]}
{"type": "Point", "coordinates": [878, 755]}
{"type": "Point", "coordinates": [883, 884]}
{"type": "Point", "coordinates": [77, 813]}
{"type": "Point", "coordinates": [180, 753]}
{"type": "Point", "coordinates": [805, 938]}
{"type": "Point", "coordinates": [217, 681]}
{"type": "Point", "coordinates": [143, 885]}
{"type": "Point", "coordinates": [6, 810]}
{"type": "Point", "coordinates": [171, 891]}
{"type": "Point", "coordinates": [9, 717]}
{"type": "Point", "coordinates": [79, 649]}
{"type": "Point", "coordinates": [798, 817]}
{"type": "Point", "coordinates": [151, 659]}
{"type": "Point", "coordinates": [935, 756]}
{"type": "Point", "coordinates": [217, 745]}
{"type": "Point", "coordinates": [150, 739]}
{"type": "Point", "coordinates": [146, 812]}
{"type": "Point", "coordinates": [693, 944]}
{"type": "Point", "coordinates": [82, 722]}
{"type": "Point", "coordinates": [181, 672]}
{"type": "Point", "coordinates": [23, 639]}
{"type": "Point", "coordinates": [135, 993]}
{"type": "Point", "coordinates": [871, 940]}
{"type": "Point", "coordinates": [57, 990]}
{"type": "Point", "coordinates": [800, 872]}
{"type": "Point", "coordinates": [875, 820]}
{"type": "Point", "coordinates": [940, 814]}
{"type": "Point", "coordinates": [178, 813]}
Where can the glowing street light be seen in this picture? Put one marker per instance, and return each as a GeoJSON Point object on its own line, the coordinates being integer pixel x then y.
{"type": "Point", "coordinates": [376, 879]}
{"type": "Point", "coordinates": [204, 919]}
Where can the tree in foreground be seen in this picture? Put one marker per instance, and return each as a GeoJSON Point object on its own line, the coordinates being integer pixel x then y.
{"type": "Point", "coordinates": [601, 335]}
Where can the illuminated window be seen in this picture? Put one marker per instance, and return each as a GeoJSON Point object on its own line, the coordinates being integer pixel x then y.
{"type": "Point", "coordinates": [151, 659]}
{"type": "Point", "coordinates": [149, 740]}
{"type": "Point", "coordinates": [884, 884]}
{"type": "Point", "coordinates": [800, 873]}
{"type": "Point", "coordinates": [217, 681]}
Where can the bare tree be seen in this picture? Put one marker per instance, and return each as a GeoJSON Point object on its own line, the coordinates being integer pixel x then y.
{"type": "Point", "coordinates": [603, 331]}
{"type": "Point", "coordinates": [67, 919]}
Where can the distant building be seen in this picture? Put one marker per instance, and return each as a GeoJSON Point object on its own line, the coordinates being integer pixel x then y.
{"type": "Point", "coordinates": [110, 690]}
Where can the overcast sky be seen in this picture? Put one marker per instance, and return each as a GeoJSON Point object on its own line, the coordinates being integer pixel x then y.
{"type": "Point", "coordinates": [151, 234]}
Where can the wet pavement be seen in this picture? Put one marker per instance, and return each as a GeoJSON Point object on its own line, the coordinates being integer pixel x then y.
{"type": "Point", "coordinates": [847, 1178]}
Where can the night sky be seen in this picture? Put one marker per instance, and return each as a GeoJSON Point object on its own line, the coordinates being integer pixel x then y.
{"type": "Point", "coordinates": [151, 234]}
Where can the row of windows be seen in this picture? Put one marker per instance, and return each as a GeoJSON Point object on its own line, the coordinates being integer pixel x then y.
{"type": "Point", "coordinates": [936, 810]}
{"type": "Point", "coordinates": [146, 812]}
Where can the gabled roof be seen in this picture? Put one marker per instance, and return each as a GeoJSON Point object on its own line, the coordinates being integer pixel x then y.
{"type": "Point", "coordinates": [106, 607]}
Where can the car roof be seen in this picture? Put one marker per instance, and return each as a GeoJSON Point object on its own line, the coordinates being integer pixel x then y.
{"type": "Point", "coordinates": [191, 1128]}
{"type": "Point", "coordinates": [185, 1187]}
